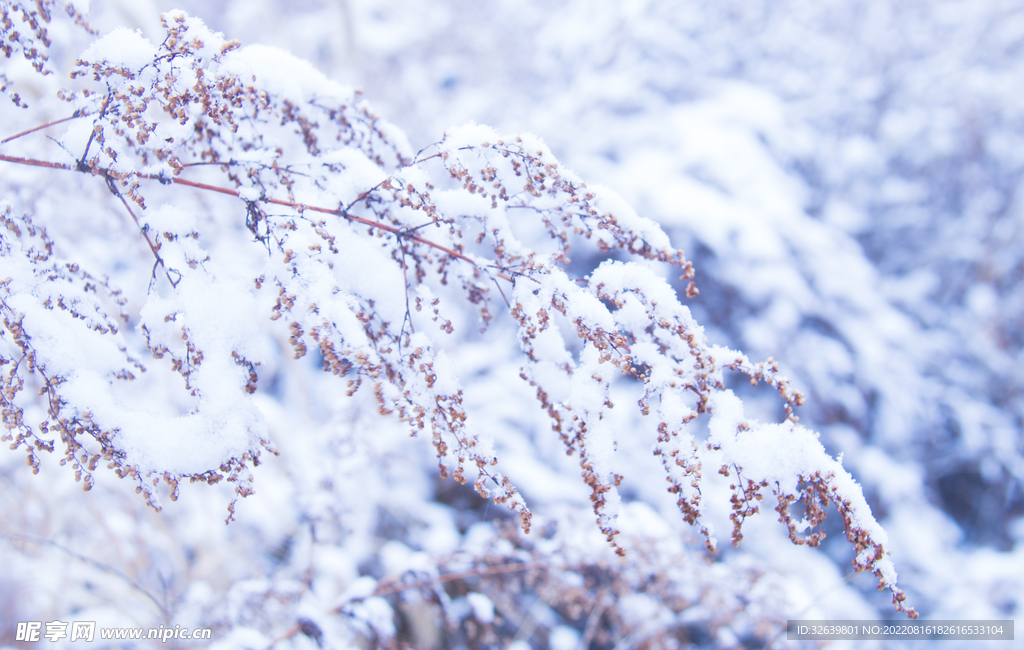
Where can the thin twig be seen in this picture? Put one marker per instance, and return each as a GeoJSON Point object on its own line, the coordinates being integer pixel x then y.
{"type": "Point", "coordinates": [408, 312]}
{"type": "Point", "coordinates": [815, 601]}
{"type": "Point", "coordinates": [92, 134]}
{"type": "Point", "coordinates": [35, 163]}
{"type": "Point", "coordinates": [292, 631]}
{"type": "Point", "coordinates": [403, 233]}
{"type": "Point", "coordinates": [502, 292]}
{"type": "Point", "coordinates": [530, 623]}
{"type": "Point", "coordinates": [106, 568]}
{"type": "Point", "coordinates": [145, 234]}
{"type": "Point", "coordinates": [593, 620]}
{"type": "Point", "coordinates": [41, 127]}
{"type": "Point", "coordinates": [230, 192]}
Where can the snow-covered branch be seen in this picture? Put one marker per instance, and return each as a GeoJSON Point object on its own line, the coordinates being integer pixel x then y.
{"type": "Point", "coordinates": [270, 204]}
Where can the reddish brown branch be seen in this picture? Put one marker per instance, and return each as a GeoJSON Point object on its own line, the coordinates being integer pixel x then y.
{"type": "Point", "coordinates": [400, 233]}
{"type": "Point", "coordinates": [37, 163]}
{"type": "Point", "coordinates": [39, 128]}
{"type": "Point", "coordinates": [145, 234]}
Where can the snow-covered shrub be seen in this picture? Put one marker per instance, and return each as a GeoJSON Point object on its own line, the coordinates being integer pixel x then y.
{"type": "Point", "coordinates": [843, 176]}
{"type": "Point", "coordinates": [221, 208]}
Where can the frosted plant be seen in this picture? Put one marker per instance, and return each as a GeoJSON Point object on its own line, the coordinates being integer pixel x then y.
{"type": "Point", "coordinates": [273, 204]}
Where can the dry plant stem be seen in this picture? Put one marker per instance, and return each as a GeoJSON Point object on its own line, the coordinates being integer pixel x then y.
{"type": "Point", "coordinates": [96, 172]}
{"type": "Point", "coordinates": [152, 247]}
{"type": "Point", "coordinates": [398, 232]}
{"type": "Point", "coordinates": [593, 620]}
{"type": "Point", "coordinates": [529, 623]}
{"type": "Point", "coordinates": [814, 603]}
{"type": "Point", "coordinates": [292, 631]}
{"type": "Point", "coordinates": [40, 128]}
{"type": "Point", "coordinates": [88, 560]}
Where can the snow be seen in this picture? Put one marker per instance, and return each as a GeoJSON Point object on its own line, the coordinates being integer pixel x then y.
{"type": "Point", "coordinates": [123, 47]}
{"type": "Point", "coordinates": [844, 188]}
{"type": "Point", "coordinates": [483, 608]}
{"type": "Point", "coordinates": [564, 637]}
{"type": "Point", "coordinates": [470, 135]}
{"type": "Point", "coordinates": [280, 72]}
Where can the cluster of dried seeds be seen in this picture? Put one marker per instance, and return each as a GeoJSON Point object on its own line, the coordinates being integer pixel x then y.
{"type": "Point", "coordinates": [447, 220]}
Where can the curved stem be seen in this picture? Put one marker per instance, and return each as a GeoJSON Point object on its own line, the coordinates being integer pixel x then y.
{"type": "Point", "coordinates": [340, 212]}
